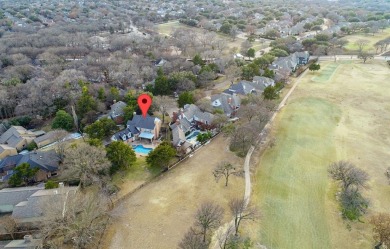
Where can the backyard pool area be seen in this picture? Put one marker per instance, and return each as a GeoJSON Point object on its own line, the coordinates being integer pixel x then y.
{"type": "Point", "coordinates": [141, 149]}
{"type": "Point", "coordinates": [192, 135]}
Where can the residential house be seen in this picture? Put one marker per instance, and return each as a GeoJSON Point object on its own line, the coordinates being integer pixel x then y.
{"type": "Point", "coordinates": [193, 114]}
{"type": "Point", "coordinates": [28, 242]}
{"type": "Point", "coordinates": [228, 103]}
{"type": "Point", "coordinates": [265, 81]}
{"type": "Point", "coordinates": [117, 111]}
{"type": "Point", "coordinates": [17, 137]}
{"type": "Point", "coordinates": [48, 138]}
{"type": "Point", "coordinates": [139, 127]}
{"type": "Point", "coordinates": [33, 208]}
{"type": "Point", "coordinates": [6, 150]}
{"type": "Point", "coordinates": [303, 57]}
{"type": "Point", "coordinates": [242, 88]}
{"type": "Point", "coordinates": [247, 87]}
{"type": "Point", "coordinates": [179, 140]}
{"type": "Point", "coordinates": [291, 62]}
{"type": "Point", "coordinates": [10, 197]}
{"type": "Point", "coordinates": [187, 120]}
{"type": "Point", "coordinates": [47, 162]}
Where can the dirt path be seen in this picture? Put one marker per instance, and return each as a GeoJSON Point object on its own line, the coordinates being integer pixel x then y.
{"type": "Point", "coordinates": [248, 185]}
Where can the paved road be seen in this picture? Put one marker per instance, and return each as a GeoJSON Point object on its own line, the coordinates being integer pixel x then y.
{"type": "Point", "coordinates": [348, 57]}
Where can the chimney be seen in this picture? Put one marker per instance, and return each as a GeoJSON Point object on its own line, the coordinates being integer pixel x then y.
{"type": "Point", "coordinates": [27, 238]}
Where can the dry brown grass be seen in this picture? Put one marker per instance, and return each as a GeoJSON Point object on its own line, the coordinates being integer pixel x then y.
{"type": "Point", "coordinates": [159, 214]}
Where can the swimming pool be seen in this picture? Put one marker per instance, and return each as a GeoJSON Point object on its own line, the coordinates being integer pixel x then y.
{"type": "Point", "coordinates": [192, 135]}
{"type": "Point", "coordinates": [141, 149]}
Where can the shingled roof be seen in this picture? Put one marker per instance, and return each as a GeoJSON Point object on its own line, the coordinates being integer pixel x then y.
{"type": "Point", "coordinates": [139, 121]}
{"type": "Point", "coordinates": [9, 197]}
{"type": "Point", "coordinates": [47, 161]}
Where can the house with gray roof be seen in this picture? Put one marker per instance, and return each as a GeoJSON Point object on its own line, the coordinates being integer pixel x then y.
{"type": "Point", "coordinates": [228, 103]}
{"type": "Point", "coordinates": [17, 137]}
{"type": "Point", "coordinates": [243, 88]}
{"type": "Point", "coordinates": [191, 118]}
{"type": "Point", "coordinates": [291, 62]}
{"type": "Point", "coordinates": [178, 135]}
{"type": "Point", "coordinates": [48, 138]}
{"type": "Point", "coordinates": [47, 163]}
{"type": "Point", "coordinates": [10, 197]}
{"type": "Point", "coordinates": [28, 242]}
{"type": "Point", "coordinates": [33, 208]}
{"type": "Point", "coordinates": [117, 111]}
{"type": "Point", "coordinates": [263, 81]}
{"type": "Point", "coordinates": [247, 87]}
{"type": "Point", "coordinates": [193, 114]}
{"type": "Point", "coordinates": [139, 128]}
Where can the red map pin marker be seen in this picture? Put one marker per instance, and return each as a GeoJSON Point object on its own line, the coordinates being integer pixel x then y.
{"type": "Point", "coordinates": [144, 102]}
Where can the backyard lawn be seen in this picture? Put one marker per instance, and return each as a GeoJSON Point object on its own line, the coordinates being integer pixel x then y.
{"type": "Point", "coordinates": [341, 112]}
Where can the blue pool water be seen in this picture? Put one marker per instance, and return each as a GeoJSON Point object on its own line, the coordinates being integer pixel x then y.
{"type": "Point", "coordinates": [142, 149]}
{"type": "Point", "coordinates": [193, 134]}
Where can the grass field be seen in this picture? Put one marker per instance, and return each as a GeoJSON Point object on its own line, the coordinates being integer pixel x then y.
{"type": "Point", "coordinates": [169, 27]}
{"type": "Point", "coordinates": [341, 112]}
{"type": "Point", "coordinates": [369, 37]}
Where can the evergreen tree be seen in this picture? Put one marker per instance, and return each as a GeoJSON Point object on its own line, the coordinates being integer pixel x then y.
{"type": "Point", "coordinates": [121, 156]}
{"type": "Point", "coordinates": [63, 120]}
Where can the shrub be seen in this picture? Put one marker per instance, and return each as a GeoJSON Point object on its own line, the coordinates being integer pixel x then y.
{"type": "Point", "coordinates": [32, 146]}
{"type": "Point", "coordinates": [51, 184]}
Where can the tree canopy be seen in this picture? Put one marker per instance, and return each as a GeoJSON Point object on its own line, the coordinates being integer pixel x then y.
{"type": "Point", "coordinates": [161, 155]}
{"type": "Point", "coordinates": [22, 175]}
{"type": "Point", "coordinates": [101, 128]}
{"type": "Point", "coordinates": [62, 120]}
{"type": "Point", "coordinates": [186, 98]}
{"type": "Point", "coordinates": [121, 155]}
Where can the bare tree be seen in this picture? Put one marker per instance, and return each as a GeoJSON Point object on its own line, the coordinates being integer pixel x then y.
{"type": "Point", "coordinates": [361, 43]}
{"type": "Point", "coordinates": [9, 225]}
{"type": "Point", "coordinates": [242, 211]}
{"type": "Point", "coordinates": [164, 103]}
{"type": "Point", "coordinates": [248, 111]}
{"type": "Point", "coordinates": [208, 217]}
{"type": "Point", "coordinates": [381, 229]}
{"type": "Point", "coordinates": [245, 46]}
{"type": "Point", "coordinates": [387, 173]}
{"type": "Point", "coordinates": [242, 138]}
{"type": "Point", "coordinates": [74, 218]}
{"type": "Point", "coordinates": [85, 162]}
{"type": "Point", "coordinates": [365, 56]}
{"type": "Point", "coordinates": [59, 137]}
{"type": "Point", "coordinates": [232, 72]}
{"type": "Point", "coordinates": [348, 174]}
{"type": "Point", "coordinates": [192, 240]}
{"type": "Point", "coordinates": [226, 169]}
{"type": "Point", "coordinates": [225, 237]}
{"type": "Point", "coordinates": [219, 120]}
